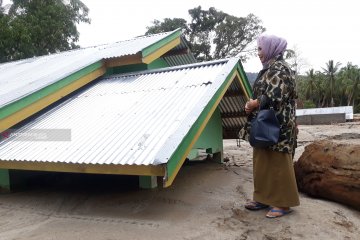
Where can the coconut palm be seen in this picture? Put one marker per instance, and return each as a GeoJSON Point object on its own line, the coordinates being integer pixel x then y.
{"type": "Point", "coordinates": [323, 92]}
{"type": "Point", "coordinates": [330, 71]}
{"type": "Point", "coordinates": [310, 88]}
{"type": "Point", "coordinates": [355, 92]}
{"type": "Point", "coordinates": [349, 76]}
{"type": "Point", "coordinates": [354, 76]}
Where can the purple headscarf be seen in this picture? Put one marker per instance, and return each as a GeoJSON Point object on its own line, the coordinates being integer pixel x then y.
{"type": "Point", "coordinates": [271, 46]}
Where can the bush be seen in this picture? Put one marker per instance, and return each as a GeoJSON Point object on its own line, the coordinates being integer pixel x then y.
{"type": "Point", "coordinates": [357, 108]}
{"type": "Point", "coordinates": [309, 104]}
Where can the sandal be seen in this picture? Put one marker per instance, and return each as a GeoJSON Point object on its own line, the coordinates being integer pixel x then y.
{"type": "Point", "coordinates": [282, 212]}
{"type": "Point", "coordinates": [253, 206]}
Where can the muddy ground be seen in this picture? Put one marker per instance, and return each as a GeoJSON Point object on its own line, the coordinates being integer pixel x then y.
{"type": "Point", "coordinates": [205, 202]}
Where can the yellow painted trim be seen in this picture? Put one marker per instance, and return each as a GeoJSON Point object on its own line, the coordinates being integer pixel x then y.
{"type": "Point", "coordinates": [242, 85]}
{"type": "Point", "coordinates": [159, 52]}
{"type": "Point", "coordinates": [171, 178]}
{"type": "Point", "coordinates": [136, 58]}
{"type": "Point", "coordinates": [124, 60]}
{"type": "Point", "coordinates": [139, 170]}
{"type": "Point", "coordinates": [24, 113]}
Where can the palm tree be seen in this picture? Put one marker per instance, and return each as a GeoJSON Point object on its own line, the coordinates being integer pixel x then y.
{"type": "Point", "coordinates": [350, 80]}
{"type": "Point", "coordinates": [330, 71]}
{"type": "Point", "coordinates": [355, 92]}
{"type": "Point", "coordinates": [354, 77]}
{"type": "Point", "coordinates": [310, 88]}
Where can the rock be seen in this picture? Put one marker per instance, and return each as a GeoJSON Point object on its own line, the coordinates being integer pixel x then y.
{"type": "Point", "coordinates": [330, 170]}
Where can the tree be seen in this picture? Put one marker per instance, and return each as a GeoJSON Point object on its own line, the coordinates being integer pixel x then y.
{"type": "Point", "coordinates": [213, 34]}
{"type": "Point", "coordinates": [316, 86]}
{"type": "Point", "coordinates": [39, 27]}
{"type": "Point", "coordinates": [330, 71]}
{"type": "Point", "coordinates": [310, 88]}
{"type": "Point", "coordinates": [294, 58]}
{"type": "Point", "coordinates": [350, 80]}
{"type": "Point", "coordinates": [167, 25]}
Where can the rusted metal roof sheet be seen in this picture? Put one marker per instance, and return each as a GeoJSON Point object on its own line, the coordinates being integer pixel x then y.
{"type": "Point", "coordinates": [129, 119]}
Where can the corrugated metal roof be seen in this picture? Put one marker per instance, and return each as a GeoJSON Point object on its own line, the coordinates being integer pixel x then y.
{"type": "Point", "coordinates": [131, 46]}
{"type": "Point", "coordinates": [21, 78]}
{"type": "Point", "coordinates": [182, 59]}
{"type": "Point", "coordinates": [129, 119]}
{"type": "Point", "coordinates": [232, 110]}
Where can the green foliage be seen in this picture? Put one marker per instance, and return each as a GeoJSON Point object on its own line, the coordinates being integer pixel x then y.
{"type": "Point", "coordinates": [330, 72]}
{"type": "Point", "coordinates": [39, 27]}
{"type": "Point", "coordinates": [349, 83]}
{"type": "Point", "coordinates": [309, 104]}
{"type": "Point", "coordinates": [167, 25]}
{"type": "Point", "coordinates": [357, 108]}
{"type": "Point", "coordinates": [213, 34]}
{"type": "Point", "coordinates": [332, 87]}
{"type": "Point", "coordinates": [300, 87]}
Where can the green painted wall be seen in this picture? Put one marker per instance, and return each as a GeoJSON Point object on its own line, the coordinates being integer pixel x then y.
{"type": "Point", "coordinates": [147, 182]}
{"type": "Point", "coordinates": [244, 78]}
{"type": "Point", "coordinates": [4, 180]}
{"type": "Point", "coordinates": [211, 138]}
{"type": "Point", "coordinates": [158, 63]}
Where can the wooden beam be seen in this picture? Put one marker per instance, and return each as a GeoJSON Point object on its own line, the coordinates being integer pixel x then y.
{"type": "Point", "coordinates": [159, 52]}
{"type": "Point", "coordinates": [139, 170]}
{"type": "Point", "coordinates": [123, 60]}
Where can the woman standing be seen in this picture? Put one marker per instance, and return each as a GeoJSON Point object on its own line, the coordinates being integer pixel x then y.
{"type": "Point", "coordinates": [274, 177]}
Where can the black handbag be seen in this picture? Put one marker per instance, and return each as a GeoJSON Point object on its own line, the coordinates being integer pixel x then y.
{"type": "Point", "coordinates": [265, 129]}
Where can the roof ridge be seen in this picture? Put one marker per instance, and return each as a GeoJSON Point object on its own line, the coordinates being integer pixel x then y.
{"type": "Point", "coordinates": [89, 47]}
{"type": "Point", "coordinates": [168, 69]}
{"type": "Point", "coordinates": [132, 39]}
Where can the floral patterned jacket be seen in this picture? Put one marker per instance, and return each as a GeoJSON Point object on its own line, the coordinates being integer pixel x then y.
{"type": "Point", "coordinates": [277, 83]}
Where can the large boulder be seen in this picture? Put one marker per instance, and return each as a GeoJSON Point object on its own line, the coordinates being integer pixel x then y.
{"type": "Point", "coordinates": [330, 170]}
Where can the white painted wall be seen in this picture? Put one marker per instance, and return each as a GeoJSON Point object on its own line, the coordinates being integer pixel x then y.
{"type": "Point", "coordinates": [348, 110]}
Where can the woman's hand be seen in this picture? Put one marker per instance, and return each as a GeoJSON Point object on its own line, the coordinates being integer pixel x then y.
{"type": "Point", "coordinates": [251, 105]}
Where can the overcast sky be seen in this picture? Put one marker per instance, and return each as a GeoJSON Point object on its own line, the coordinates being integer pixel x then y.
{"type": "Point", "coordinates": [321, 30]}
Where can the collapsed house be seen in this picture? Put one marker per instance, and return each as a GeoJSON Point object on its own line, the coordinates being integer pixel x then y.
{"type": "Point", "coordinates": [136, 107]}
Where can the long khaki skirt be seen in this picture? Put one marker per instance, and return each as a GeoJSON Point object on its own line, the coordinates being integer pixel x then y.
{"type": "Point", "coordinates": [274, 178]}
